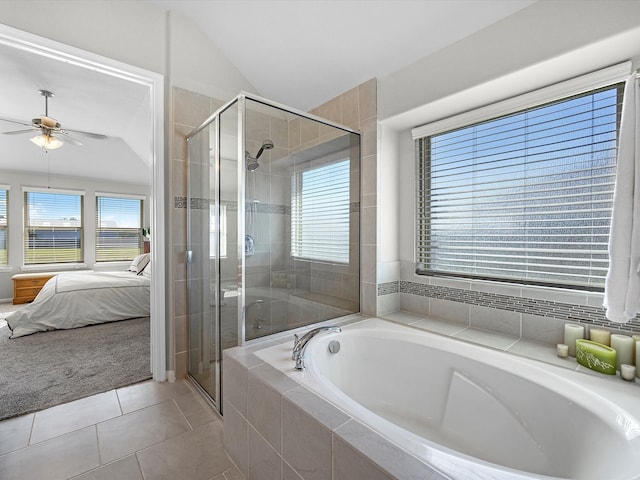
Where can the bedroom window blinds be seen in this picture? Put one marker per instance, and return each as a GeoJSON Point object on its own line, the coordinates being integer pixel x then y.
{"type": "Point", "coordinates": [3, 226]}
{"type": "Point", "coordinates": [524, 197]}
{"type": "Point", "coordinates": [320, 211]}
{"type": "Point", "coordinates": [118, 228]}
{"type": "Point", "coordinates": [53, 227]}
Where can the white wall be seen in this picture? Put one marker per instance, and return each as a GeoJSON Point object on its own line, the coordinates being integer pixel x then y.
{"type": "Point", "coordinates": [133, 32]}
{"type": "Point", "coordinates": [543, 44]}
{"type": "Point", "coordinates": [18, 180]}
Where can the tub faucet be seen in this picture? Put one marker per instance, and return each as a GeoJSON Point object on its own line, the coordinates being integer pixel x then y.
{"type": "Point", "coordinates": [300, 344]}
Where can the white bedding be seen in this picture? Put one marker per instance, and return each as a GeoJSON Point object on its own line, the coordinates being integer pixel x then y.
{"type": "Point", "coordinates": [77, 299]}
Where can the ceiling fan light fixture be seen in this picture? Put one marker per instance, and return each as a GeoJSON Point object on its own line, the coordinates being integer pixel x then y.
{"type": "Point", "coordinates": [48, 142]}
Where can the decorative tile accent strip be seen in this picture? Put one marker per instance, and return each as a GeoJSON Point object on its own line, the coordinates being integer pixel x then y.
{"type": "Point", "coordinates": [544, 308]}
{"type": "Point", "coordinates": [388, 288]}
{"type": "Point", "coordinates": [199, 203]}
{"type": "Point", "coordinates": [180, 202]}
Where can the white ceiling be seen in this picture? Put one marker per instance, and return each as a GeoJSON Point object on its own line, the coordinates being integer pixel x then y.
{"type": "Point", "coordinates": [84, 100]}
{"type": "Point", "coordinates": [304, 52]}
{"type": "Point", "coordinates": [297, 52]}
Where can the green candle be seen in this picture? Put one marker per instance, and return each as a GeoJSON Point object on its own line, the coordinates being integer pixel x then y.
{"type": "Point", "coordinates": [596, 356]}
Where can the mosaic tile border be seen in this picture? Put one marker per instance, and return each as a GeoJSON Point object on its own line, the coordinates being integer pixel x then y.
{"type": "Point", "coordinates": [544, 308]}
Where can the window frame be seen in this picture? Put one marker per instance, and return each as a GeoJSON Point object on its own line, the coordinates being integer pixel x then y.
{"type": "Point", "coordinates": [141, 199]}
{"type": "Point", "coordinates": [554, 93]}
{"type": "Point", "coordinates": [79, 260]}
{"type": "Point", "coordinates": [5, 227]}
{"type": "Point", "coordinates": [343, 257]}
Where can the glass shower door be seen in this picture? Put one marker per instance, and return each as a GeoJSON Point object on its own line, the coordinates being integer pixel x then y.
{"type": "Point", "coordinates": [203, 289]}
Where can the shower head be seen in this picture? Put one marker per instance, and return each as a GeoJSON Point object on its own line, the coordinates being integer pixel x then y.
{"type": "Point", "coordinates": [266, 145]}
{"type": "Point", "coordinates": [252, 164]}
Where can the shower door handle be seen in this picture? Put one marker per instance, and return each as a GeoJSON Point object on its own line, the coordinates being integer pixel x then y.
{"type": "Point", "coordinates": [189, 256]}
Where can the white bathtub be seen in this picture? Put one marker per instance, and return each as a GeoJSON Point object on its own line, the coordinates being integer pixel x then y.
{"type": "Point", "coordinates": [468, 411]}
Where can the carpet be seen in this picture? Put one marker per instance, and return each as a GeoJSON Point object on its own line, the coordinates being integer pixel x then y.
{"type": "Point", "coordinates": [49, 368]}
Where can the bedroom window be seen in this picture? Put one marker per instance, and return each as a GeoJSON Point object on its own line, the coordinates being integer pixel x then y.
{"type": "Point", "coordinates": [526, 197]}
{"type": "Point", "coordinates": [53, 227]}
{"type": "Point", "coordinates": [320, 212]}
{"type": "Point", "coordinates": [118, 228]}
{"type": "Point", "coordinates": [4, 197]}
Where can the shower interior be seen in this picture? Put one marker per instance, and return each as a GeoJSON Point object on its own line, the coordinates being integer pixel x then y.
{"type": "Point", "coordinates": [273, 238]}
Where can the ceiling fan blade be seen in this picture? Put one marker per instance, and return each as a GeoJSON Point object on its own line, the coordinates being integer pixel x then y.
{"type": "Point", "coordinates": [19, 122]}
{"type": "Point", "coordinates": [18, 132]}
{"type": "Point", "coordinates": [97, 136]}
{"type": "Point", "coordinates": [72, 140]}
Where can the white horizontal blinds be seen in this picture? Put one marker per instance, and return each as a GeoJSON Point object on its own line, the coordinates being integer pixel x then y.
{"type": "Point", "coordinates": [118, 228]}
{"type": "Point", "coordinates": [53, 227]}
{"type": "Point", "coordinates": [527, 196]}
{"type": "Point", "coordinates": [320, 213]}
{"type": "Point", "coordinates": [3, 226]}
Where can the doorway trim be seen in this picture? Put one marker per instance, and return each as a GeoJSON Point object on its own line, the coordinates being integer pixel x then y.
{"type": "Point", "coordinates": [35, 44]}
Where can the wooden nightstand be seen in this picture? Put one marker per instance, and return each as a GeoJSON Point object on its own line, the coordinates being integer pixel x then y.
{"type": "Point", "coordinates": [27, 285]}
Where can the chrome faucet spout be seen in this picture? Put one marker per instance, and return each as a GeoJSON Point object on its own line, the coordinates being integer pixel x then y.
{"type": "Point", "coordinates": [300, 344]}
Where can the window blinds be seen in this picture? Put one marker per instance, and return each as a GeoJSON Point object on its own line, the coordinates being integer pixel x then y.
{"type": "Point", "coordinates": [118, 228]}
{"type": "Point", "coordinates": [53, 227]}
{"type": "Point", "coordinates": [524, 197]}
{"type": "Point", "coordinates": [320, 213]}
{"type": "Point", "coordinates": [3, 226]}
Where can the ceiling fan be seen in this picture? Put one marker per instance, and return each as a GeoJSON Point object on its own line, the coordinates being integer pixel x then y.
{"type": "Point", "coordinates": [47, 127]}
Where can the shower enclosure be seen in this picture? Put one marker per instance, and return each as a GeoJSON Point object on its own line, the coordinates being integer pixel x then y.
{"type": "Point", "coordinates": [273, 228]}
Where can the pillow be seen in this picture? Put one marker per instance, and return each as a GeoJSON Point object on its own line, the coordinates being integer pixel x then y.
{"type": "Point", "coordinates": [138, 263]}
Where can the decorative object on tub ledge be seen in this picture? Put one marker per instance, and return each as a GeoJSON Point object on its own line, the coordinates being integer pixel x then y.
{"type": "Point", "coordinates": [572, 332]}
{"type": "Point", "coordinates": [623, 346]}
{"type": "Point", "coordinates": [622, 286]}
{"type": "Point", "coordinates": [628, 372]}
{"type": "Point", "coordinates": [637, 358]}
{"type": "Point", "coordinates": [596, 356]}
{"type": "Point", "coordinates": [600, 335]}
{"type": "Point", "coordinates": [563, 350]}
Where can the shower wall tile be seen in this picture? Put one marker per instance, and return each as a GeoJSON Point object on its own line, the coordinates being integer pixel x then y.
{"type": "Point", "coordinates": [369, 183]}
{"type": "Point", "coordinates": [190, 108]}
{"type": "Point", "coordinates": [368, 99]}
{"type": "Point", "coordinates": [294, 133]}
{"type": "Point", "coordinates": [350, 108]}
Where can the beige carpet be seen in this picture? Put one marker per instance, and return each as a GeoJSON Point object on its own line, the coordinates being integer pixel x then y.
{"type": "Point", "coordinates": [48, 368]}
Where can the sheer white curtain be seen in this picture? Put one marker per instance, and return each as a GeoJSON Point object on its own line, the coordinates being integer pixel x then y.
{"type": "Point", "coordinates": [622, 287]}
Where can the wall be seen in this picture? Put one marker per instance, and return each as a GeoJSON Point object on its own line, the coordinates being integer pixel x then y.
{"type": "Point", "coordinates": [17, 180]}
{"type": "Point", "coordinates": [357, 108]}
{"type": "Point", "coordinates": [538, 46]}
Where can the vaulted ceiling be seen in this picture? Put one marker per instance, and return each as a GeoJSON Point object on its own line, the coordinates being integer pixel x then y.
{"type": "Point", "coordinates": [300, 53]}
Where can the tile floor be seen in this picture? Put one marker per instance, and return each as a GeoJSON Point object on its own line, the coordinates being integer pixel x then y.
{"type": "Point", "coordinates": [145, 431]}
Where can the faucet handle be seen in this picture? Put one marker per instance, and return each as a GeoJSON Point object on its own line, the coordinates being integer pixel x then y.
{"type": "Point", "coordinates": [295, 345]}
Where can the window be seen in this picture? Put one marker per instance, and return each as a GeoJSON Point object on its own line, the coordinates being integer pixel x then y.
{"type": "Point", "coordinates": [4, 258]}
{"type": "Point", "coordinates": [118, 228]}
{"type": "Point", "coordinates": [525, 197]}
{"type": "Point", "coordinates": [320, 213]}
{"type": "Point", "coordinates": [53, 227]}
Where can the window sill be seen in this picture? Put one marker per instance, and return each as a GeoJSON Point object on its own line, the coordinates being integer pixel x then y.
{"type": "Point", "coordinates": [54, 267]}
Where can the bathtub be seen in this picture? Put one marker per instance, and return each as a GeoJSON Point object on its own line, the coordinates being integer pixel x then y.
{"type": "Point", "coordinates": [468, 411]}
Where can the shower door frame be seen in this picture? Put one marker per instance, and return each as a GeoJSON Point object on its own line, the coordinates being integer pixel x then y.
{"type": "Point", "coordinates": [240, 100]}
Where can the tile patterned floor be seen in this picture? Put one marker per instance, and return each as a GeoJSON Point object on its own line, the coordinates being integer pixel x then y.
{"type": "Point", "coordinates": [147, 431]}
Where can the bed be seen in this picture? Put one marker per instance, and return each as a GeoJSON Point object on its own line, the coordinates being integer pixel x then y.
{"type": "Point", "coordinates": [77, 299]}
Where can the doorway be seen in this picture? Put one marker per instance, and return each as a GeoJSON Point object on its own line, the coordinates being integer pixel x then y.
{"type": "Point", "coordinates": [23, 43]}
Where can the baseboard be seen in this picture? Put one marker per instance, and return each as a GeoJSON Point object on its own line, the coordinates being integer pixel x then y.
{"type": "Point", "coordinates": [6, 300]}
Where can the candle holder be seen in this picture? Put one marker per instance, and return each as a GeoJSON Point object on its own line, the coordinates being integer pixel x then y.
{"type": "Point", "coordinates": [596, 356]}
{"type": "Point", "coordinates": [563, 350]}
{"type": "Point", "coordinates": [628, 372]}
